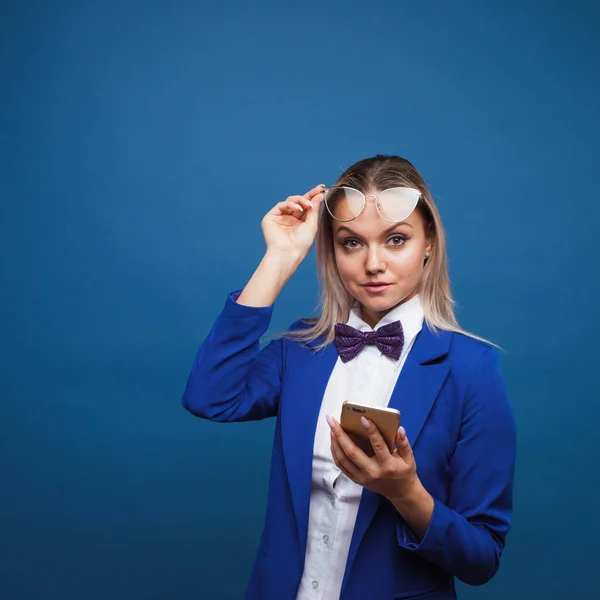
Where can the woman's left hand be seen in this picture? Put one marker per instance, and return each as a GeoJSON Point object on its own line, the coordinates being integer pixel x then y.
{"type": "Point", "coordinates": [391, 474]}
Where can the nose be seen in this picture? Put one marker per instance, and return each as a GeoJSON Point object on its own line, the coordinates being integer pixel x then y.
{"type": "Point", "coordinates": [375, 262]}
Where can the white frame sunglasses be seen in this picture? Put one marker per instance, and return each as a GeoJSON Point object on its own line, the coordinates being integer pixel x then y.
{"type": "Point", "coordinates": [411, 194]}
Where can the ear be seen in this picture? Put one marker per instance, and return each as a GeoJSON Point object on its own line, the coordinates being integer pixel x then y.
{"type": "Point", "coordinates": [429, 240]}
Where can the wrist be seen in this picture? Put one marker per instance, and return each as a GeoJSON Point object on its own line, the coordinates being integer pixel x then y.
{"type": "Point", "coordinates": [416, 507]}
{"type": "Point", "coordinates": [283, 260]}
{"type": "Point", "coordinates": [411, 496]}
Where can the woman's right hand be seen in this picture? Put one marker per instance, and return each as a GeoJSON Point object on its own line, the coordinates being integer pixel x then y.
{"type": "Point", "coordinates": [290, 226]}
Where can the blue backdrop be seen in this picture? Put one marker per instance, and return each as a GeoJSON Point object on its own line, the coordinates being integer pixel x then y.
{"type": "Point", "coordinates": [141, 144]}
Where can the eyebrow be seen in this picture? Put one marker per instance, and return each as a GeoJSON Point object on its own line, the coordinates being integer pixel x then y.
{"type": "Point", "coordinates": [388, 230]}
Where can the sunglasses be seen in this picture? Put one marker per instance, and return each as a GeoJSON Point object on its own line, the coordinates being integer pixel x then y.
{"type": "Point", "coordinates": [393, 205]}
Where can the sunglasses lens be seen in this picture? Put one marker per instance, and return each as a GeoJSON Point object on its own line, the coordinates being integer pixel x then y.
{"type": "Point", "coordinates": [397, 204]}
{"type": "Point", "coordinates": [343, 203]}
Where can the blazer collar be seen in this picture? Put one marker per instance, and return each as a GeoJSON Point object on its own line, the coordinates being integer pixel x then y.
{"type": "Point", "coordinates": [431, 345]}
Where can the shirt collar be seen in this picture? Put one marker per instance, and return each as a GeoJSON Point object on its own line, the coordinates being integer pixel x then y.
{"type": "Point", "coordinates": [409, 313]}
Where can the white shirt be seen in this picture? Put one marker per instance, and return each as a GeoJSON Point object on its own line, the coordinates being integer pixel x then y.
{"type": "Point", "coordinates": [368, 378]}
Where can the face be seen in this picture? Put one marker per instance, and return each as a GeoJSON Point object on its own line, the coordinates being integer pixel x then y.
{"type": "Point", "coordinates": [371, 250]}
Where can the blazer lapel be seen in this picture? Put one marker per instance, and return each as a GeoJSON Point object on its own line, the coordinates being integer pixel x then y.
{"type": "Point", "coordinates": [414, 395]}
{"type": "Point", "coordinates": [299, 422]}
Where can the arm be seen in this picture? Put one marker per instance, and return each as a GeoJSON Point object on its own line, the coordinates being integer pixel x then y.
{"type": "Point", "coordinates": [231, 379]}
{"type": "Point", "coordinates": [466, 536]}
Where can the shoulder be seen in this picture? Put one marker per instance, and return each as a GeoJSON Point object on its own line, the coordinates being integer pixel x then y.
{"type": "Point", "coordinates": [466, 348]}
{"type": "Point", "coordinates": [476, 364]}
{"type": "Point", "coordinates": [471, 358]}
{"type": "Point", "coordinates": [298, 332]}
{"type": "Point", "coordinates": [302, 324]}
{"type": "Point", "coordinates": [307, 334]}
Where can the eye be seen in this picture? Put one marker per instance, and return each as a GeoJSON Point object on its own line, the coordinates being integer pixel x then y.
{"type": "Point", "coordinates": [350, 243]}
{"type": "Point", "coordinates": [397, 240]}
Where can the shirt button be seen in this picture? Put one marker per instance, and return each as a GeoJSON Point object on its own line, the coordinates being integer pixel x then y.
{"type": "Point", "coordinates": [314, 585]}
{"type": "Point", "coordinates": [325, 538]}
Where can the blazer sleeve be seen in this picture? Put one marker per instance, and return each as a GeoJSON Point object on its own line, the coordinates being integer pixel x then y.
{"type": "Point", "coordinates": [231, 378]}
{"type": "Point", "coordinates": [466, 536]}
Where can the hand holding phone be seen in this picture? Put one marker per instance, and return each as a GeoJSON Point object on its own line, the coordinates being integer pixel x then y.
{"type": "Point", "coordinates": [387, 421]}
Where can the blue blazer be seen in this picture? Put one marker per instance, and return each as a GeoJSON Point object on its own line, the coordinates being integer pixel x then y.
{"type": "Point", "coordinates": [457, 416]}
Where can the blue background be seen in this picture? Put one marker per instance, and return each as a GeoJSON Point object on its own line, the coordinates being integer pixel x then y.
{"type": "Point", "coordinates": [141, 144]}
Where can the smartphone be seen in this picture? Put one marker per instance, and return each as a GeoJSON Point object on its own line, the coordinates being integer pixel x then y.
{"type": "Point", "coordinates": [387, 421]}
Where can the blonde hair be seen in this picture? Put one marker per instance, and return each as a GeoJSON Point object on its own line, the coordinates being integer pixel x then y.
{"type": "Point", "coordinates": [380, 173]}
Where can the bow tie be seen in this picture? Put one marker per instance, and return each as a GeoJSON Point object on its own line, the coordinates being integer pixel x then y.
{"type": "Point", "coordinates": [349, 341]}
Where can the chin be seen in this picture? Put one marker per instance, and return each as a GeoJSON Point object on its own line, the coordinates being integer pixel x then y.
{"type": "Point", "coordinates": [381, 304]}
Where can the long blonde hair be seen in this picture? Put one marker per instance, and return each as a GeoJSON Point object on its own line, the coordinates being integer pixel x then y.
{"type": "Point", "coordinates": [379, 173]}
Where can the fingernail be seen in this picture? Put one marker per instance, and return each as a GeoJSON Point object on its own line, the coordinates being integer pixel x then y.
{"type": "Point", "coordinates": [402, 431]}
{"type": "Point", "coordinates": [365, 423]}
{"type": "Point", "coordinates": [322, 185]}
{"type": "Point", "coordinates": [330, 421]}
{"type": "Point", "coordinates": [311, 204]}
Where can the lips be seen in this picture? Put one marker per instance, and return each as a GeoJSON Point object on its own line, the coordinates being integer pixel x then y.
{"type": "Point", "coordinates": [376, 287]}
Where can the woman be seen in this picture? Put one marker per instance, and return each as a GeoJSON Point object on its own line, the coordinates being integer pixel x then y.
{"type": "Point", "coordinates": [339, 523]}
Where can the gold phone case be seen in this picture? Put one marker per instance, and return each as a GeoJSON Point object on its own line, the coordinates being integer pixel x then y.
{"type": "Point", "coordinates": [387, 421]}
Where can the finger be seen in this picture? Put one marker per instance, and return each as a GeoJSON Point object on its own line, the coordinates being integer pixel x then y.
{"type": "Point", "coordinates": [305, 202]}
{"type": "Point", "coordinates": [316, 190]}
{"type": "Point", "coordinates": [311, 209]}
{"type": "Point", "coordinates": [349, 475]}
{"type": "Point", "coordinates": [342, 461]}
{"type": "Point", "coordinates": [312, 215]}
{"type": "Point", "coordinates": [288, 207]}
{"type": "Point", "coordinates": [301, 203]}
{"type": "Point", "coordinates": [382, 452]}
{"type": "Point", "coordinates": [319, 197]}
{"type": "Point", "coordinates": [350, 449]}
{"type": "Point", "coordinates": [403, 448]}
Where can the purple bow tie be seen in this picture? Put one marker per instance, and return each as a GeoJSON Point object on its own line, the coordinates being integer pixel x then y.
{"type": "Point", "coordinates": [349, 341]}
